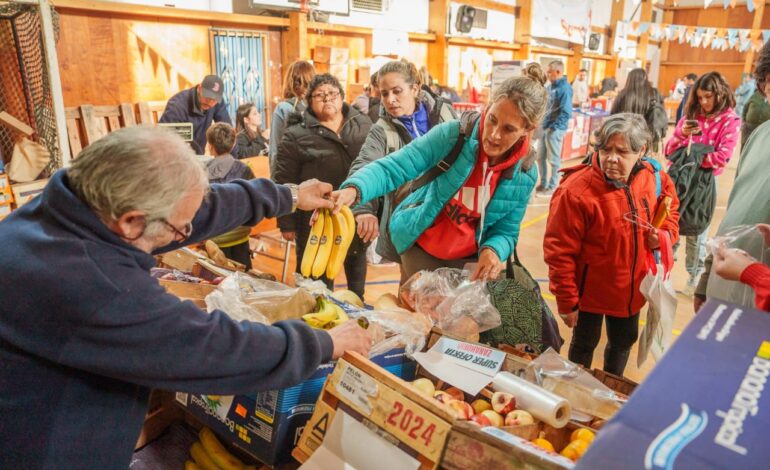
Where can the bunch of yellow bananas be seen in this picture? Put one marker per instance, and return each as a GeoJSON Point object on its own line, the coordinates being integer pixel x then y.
{"type": "Point", "coordinates": [210, 454]}
{"type": "Point", "coordinates": [328, 243]}
{"type": "Point", "coordinates": [327, 315]}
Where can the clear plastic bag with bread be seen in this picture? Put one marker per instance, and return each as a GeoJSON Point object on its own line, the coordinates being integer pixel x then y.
{"type": "Point", "coordinates": [244, 297]}
{"type": "Point", "coordinates": [455, 304]}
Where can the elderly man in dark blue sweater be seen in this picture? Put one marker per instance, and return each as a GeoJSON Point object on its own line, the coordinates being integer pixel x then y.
{"type": "Point", "coordinates": [85, 332]}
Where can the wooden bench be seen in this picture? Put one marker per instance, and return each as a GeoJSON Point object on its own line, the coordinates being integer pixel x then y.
{"type": "Point", "coordinates": [149, 112]}
{"type": "Point", "coordinates": [88, 123]}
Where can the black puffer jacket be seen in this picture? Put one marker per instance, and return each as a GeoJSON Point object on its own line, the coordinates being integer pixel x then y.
{"type": "Point", "coordinates": [310, 150]}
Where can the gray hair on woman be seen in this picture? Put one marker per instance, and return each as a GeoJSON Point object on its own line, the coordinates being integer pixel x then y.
{"type": "Point", "coordinates": [528, 94]}
{"type": "Point", "coordinates": [136, 168]}
{"type": "Point", "coordinates": [630, 125]}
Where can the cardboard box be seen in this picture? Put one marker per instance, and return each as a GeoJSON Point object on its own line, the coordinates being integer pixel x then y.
{"type": "Point", "coordinates": [705, 405]}
{"type": "Point", "coordinates": [409, 425]}
{"type": "Point", "coordinates": [196, 293]}
{"type": "Point", "coordinates": [267, 425]}
{"type": "Point", "coordinates": [359, 391]}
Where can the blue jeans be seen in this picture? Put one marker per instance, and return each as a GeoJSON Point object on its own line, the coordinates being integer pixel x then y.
{"type": "Point", "coordinates": [550, 151]}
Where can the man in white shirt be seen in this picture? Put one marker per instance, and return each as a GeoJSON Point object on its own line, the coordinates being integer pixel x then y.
{"type": "Point", "coordinates": [580, 88]}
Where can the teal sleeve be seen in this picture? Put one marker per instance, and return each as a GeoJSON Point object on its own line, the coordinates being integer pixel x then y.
{"type": "Point", "coordinates": [387, 174]}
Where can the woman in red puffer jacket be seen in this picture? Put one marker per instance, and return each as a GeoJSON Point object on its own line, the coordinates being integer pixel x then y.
{"type": "Point", "coordinates": [596, 256]}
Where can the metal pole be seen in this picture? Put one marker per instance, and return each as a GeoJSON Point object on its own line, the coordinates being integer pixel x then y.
{"type": "Point", "coordinates": [54, 79]}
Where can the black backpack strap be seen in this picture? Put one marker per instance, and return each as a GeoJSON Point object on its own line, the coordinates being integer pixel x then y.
{"type": "Point", "coordinates": [509, 264]}
{"type": "Point", "coordinates": [446, 163]}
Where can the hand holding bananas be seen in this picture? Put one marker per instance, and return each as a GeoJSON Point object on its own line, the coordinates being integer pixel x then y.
{"type": "Point", "coordinates": [313, 194]}
{"type": "Point", "coordinates": [344, 197]}
{"type": "Point", "coordinates": [328, 243]}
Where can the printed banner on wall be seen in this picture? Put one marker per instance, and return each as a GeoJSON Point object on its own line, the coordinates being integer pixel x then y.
{"type": "Point", "coordinates": [567, 20]}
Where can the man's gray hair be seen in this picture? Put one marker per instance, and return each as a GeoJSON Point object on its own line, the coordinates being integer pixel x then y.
{"type": "Point", "coordinates": [556, 65]}
{"type": "Point", "coordinates": [630, 125]}
{"type": "Point", "coordinates": [136, 168]}
{"type": "Point", "coordinates": [528, 94]}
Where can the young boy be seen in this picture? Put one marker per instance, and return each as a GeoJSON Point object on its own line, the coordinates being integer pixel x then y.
{"type": "Point", "coordinates": [224, 168]}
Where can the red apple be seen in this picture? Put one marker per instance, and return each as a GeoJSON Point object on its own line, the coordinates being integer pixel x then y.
{"type": "Point", "coordinates": [456, 393]}
{"type": "Point", "coordinates": [494, 417]}
{"type": "Point", "coordinates": [518, 418]}
{"type": "Point", "coordinates": [425, 386]}
{"type": "Point", "coordinates": [503, 402]}
{"type": "Point", "coordinates": [460, 409]}
{"type": "Point", "coordinates": [442, 396]}
{"type": "Point", "coordinates": [480, 405]}
{"type": "Point", "coordinates": [481, 420]}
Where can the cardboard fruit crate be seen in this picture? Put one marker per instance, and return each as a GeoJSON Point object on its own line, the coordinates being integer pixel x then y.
{"type": "Point", "coordinates": [386, 404]}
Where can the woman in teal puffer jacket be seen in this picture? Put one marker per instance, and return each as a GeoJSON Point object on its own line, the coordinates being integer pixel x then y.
{"type": "Point", "coordinates": [469, 210]}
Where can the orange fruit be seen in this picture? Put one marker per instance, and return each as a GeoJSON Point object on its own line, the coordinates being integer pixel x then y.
{"type": "Point", "coordinates": [571, 453]}
{"type": "Point", "coordinates": [544, 444]}
{"type": "Point", "coordinates": [582, 434]}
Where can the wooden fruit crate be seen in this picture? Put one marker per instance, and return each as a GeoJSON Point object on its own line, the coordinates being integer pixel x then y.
{"type": "Point", "coordinates": [417, 425]}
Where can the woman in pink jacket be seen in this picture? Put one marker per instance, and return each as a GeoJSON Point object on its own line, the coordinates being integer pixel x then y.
{"type": "Point", "coordinates": [708, 119]}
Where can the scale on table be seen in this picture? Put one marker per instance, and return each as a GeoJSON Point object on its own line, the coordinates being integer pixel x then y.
{"type": "Point", "coordinates": [183, 130]}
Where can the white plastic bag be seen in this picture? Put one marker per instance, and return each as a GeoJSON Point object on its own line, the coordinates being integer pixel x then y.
{"type": "Point", "coordinates": [661, 304]}
{"type": "Point", "coordinates": [742, 237]}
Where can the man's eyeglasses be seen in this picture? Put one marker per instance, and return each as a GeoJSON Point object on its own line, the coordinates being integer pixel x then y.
{"type": "Point", "coordinates": [331, 96]}
{"type": "Point", "coordinates": [183, 234]}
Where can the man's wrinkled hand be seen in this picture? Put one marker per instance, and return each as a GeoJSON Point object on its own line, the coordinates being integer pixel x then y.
{"type": "Point", "coordinates": [313, 194]}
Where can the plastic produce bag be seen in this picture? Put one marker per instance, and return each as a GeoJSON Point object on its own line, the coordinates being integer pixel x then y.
{"type": "Point", "coordinates": [456, 305]}
{"type": "Point", "coordinates": [661, 303]}
{"type": "Point", "coordinates": [742, 237]}
{"type": "Point", "coordinates": [396, 329]}
{"type": "Point", "coordinates": [585, 392]}
{"type": "Point", "coordinates": [243, 297]}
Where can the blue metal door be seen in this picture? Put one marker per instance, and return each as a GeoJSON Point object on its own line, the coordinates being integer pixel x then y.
{"type": "Point", "coordinates": [239, 59]}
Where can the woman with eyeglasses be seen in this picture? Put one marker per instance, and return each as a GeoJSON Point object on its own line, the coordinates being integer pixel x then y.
{"type": "Point", "coordinates": [598, 237]}
{"type": "Point", "coordinates": [323, 145]}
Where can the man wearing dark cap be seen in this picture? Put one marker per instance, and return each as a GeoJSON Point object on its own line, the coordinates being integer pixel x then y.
{"type": "Point", "coordinates": [200, 105]}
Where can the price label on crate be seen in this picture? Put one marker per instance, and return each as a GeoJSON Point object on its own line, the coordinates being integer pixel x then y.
{"type": "Point", "coordinates": [407, 421]}
{"type": "Point", "coordinates": [468, 366]}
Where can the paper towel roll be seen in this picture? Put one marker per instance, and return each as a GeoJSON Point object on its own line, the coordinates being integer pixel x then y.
{"type": "Point", "coordinates": [541, 403]}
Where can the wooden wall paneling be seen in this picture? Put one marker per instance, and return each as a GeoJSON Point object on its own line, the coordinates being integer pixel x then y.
{"type": "Point", "coordinates": [759, 12]}
{"type": "Point", "coordinates": [644, 39]}
{"type": "Point", "coordinates": [437, 50]}
{"type": "Point", "coordinates": [148, 60]}
{"type": "Point", "coordinates": [615, 15]}
{"type": "Point", "coordinates": [522, 31]}
{"type": "Point", "coordinates": [668, 18]}
{"type": "Point", "coordinates": [296, 38]}
{"type": "Point", "coordinates": [276, 68]}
